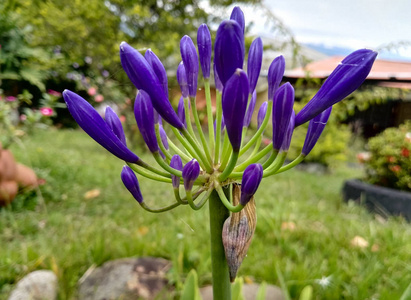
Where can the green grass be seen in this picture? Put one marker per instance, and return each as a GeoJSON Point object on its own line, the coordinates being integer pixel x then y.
{"type": "Point", "coordinates": [62, 231]}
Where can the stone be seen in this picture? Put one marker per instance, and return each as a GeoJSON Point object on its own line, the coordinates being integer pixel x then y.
{"type": "Point", "coordinates": [126, 279]}
{"type": "Point", "coordinates": [249, 291]}
{"type": "Point", "coordinates": [37, 285]}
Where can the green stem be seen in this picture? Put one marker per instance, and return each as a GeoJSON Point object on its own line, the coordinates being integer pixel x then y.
{"type": "Point", "coordinates": [260, 130]}
{"type": "Point", "coordinates": [160, 142]}
{"type": "Point", "coordinates": [219, 267]}
{"type": "Point", "coordinates": [188, 119]}
{"type": "Point", "coordinates": [292, 164]}
{"type": "Point", "coordinates": [148, 174]}
{"type": "Point", "coordinates": [225, 201]}
{"type": "Point", "coordinates": [152, 169]}
{"type": "Point", "coordinates": [209, 114]}
{"type": "Point", "coordinates": [276, 165]}
{"type": "Point", "coordinates": [254, 159]}
{"type": "Point", "coordinates": [270, 160]}
{"type": "Point", "coordinates": [189, 196]}
{"type": "Point", "coordinates": [257, 146]}
{"type": "Point", "coordinates": [219, 117]}
{"type": "Point", "coordinates": [159, 210]}
{"type": "Point", "coordinates": [226, 152]}
{"type": "Point", "coordinates": [183, 156]}
{"type": "Point", "coordinates": [200, 153]}
{"type": "Point", "coordinates": [230, 167]}
{"type": "Point", "coordinates": [200, 130]}
{"type": "Point", "coordinates": [164, 165]}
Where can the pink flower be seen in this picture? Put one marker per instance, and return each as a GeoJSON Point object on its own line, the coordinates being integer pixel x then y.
{"type": "Point", "coordinates": [23, 117]}
{"type": "Point", "coordinates": [54, 93]}
{"type": "Point", "coordinates": [11, 98]}
{"type": "Point", "coordinates": [122, 118]}
{"type": "Point", "coordinates": [46, 111]}
{"type": "Point", "coordinates": [363, 157]}
{"type": "Point", "coordinates": [92, 91]}
{"type": "Point", "coordinates": [99, 98]}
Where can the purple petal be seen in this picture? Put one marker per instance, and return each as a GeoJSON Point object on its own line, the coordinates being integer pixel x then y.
{"type": "Point", "coordinates": [176, 163]}
{"type": "Point", "coordinates": [288, 135]}
{"type": "Point", "coordinates": [163, 136]}
{"type": "Point", "coordinates": [255, 59]}
{"type": "Point", "coordinates": [158, 68]}
{"type": "Point", "coordinates": [261, 113]}
{"type": "Point", "coordinates": [204, 49]}
{"type": "Point", "coordinates": [190, 173]}
{"type": "Point", "coordinates": [275, 75]}
{"type": "Point", "coordinates": [182, 79]}
{"type": "Point", "coordinates": [190, 59]}
{"type": "Point", "coordinates": [234, 103]}
{"type": "Point", "coordinates": [250, 109]}
{"type": "Point", "coordinates": [114, 123]}
{"type": "Point", "coordinates": [94, 125]}
{"type": "Point", "coordinates": [238, 16]}
{"type": "Point", "coordinates": [131, 183]}
{"type": "Point", "coordinates": [315, 128]}
{"type": "Point", "coordinates": [218, 83]}
{"type": "Point", "coordinates": [181, 111]}
{"type": "Point", "coordinates": [345, 79]}
{"type": "Point", "coordinates": [251, 180]}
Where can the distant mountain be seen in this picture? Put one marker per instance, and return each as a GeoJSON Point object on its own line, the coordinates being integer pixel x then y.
{"type": "Point", "coordinates": [332, 51]}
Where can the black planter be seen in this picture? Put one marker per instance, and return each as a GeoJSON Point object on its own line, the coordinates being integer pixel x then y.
{"type": "Point", "coordinates": [378, 199]}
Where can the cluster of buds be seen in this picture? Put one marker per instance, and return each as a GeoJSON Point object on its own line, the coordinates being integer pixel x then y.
{"type": "Point", "coordinates": [221, 161]}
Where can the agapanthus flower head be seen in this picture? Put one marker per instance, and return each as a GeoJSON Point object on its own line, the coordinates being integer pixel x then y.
{"type": "Point", "coordinates": [176, 163]}
{"type": "Point", "coordinates": [228, 50]}
{"type": "Point", "coordinates": [94, 125]}
{"type": "Point", "coordinates": [204, 49]}
{"type": "Point", "coordinates": [113, 121]}
{"type": "Point", "coordinates": [250, 109]}
{"type": "Point", "coordinates": [131, 183]}
{"type": "Point", "coordinates": [158, 69]}
{"type": "Point", "coordinates": [238, 16]}
{"type": "Point", "coordinates": [282, 109]}
{"type": "Point", "coordinates": [142, 75]}
{"type": "Point", "coordinates": [190, 173]}
{"type": "Point", "coordinates": [345, 79]}
{"type": "Point", "coordinates": [190, 59]}
{"type": "Point", "coordinates": [234, 103]}
{"type": "Point", "coordinates": [275, 75]}
{"type": "Point", "coordinates": [182, 79]}
{"type": "Point", "coordinates": [315, 128]}
{"type": "Point", "coordinates": [261, 113]}
{"type": "Point", "coordinates": [288, 135]}
{"type": "Point", "coordinates": [143, 112]}
{"type": "Point", "coordinates": [255, 59]}
{"type": "Point", "coordinates": [251, 180]}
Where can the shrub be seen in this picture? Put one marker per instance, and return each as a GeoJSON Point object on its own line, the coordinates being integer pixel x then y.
{"type": "Point", "coordinates": [389, 162]}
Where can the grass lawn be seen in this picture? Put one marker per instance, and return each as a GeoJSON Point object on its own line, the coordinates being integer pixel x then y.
{"type": "Point", "coordinates": [304, 229]}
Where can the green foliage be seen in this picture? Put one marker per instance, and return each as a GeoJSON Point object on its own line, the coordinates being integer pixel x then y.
{"type": "Point", "coordinates": [190, 289]}
{"type": "Point", "coordinates": [389, 162]}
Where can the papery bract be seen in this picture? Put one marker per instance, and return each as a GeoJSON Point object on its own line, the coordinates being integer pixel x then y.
{"type": "Point", "coordinates": [204, 49]}
{"type": "Point", "coordinates": [228, 50]}
{"type": "Point", "coordinates": [113, 121]}
{"type": "Point", "coordinates": [251, 180]}
{"type": "Point", "coordinates": [143, 112]}
{"type": "Point", "coordinates": [176, 163]}
{"type": "Point", "coordinates": [255, 59]}
{"type": "Point", "coordinates": [234, 103]}
{"type": "Point", "coordinates": [190, 60]}
{"type": "Point", "coordinates": [250, 109]}
{"type": "Point", "coordinates": [282, 109]}
{"type": "Point", "coordinates": [315, 128]}
{"type": "Point", "coordinates": [345, 79]}
{"type": "Point", "coordinates": [94, 125]}
{"type": "Point", "coordinates": [131, 183]}
{"type": "Point", "coordinates": [182, 79]}
{"type": "Point", "coordinates": [190, 173]}
{"type": "Point", "coordinates": [158, 68]}
{"type": "Point", "coordinates": [143, 77]}
{"type": "Point", "coordinates": [275, 75]}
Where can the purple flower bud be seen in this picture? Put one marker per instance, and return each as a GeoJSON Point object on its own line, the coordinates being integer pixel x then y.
{"type": "Point", "coordinates": [182, 79]}
{"type": "Point", "coordinates": [157, 118]}
{"type": "Point", "coordinates": [238, 16]}
{"type": "Point", "coordinates": [345, 79]}
{"type": "Point", "coordinates": [275, 75]}
{"type": "Point", "coordinates": [190, 173]}
{"type": "Point", "coordinates": [251, 180]}
{"type": "Point", "coordinates": [288, 135]}
{"type": "Point", "coordinates": [143, 112]}
{"type": "Point", "coordinates": [228, 50]}
{"type": "Point", "coordinates": [158, 68]}
{"type": "Point", "coordinates": [204, 49]}
{"type": "Point", "coordinates": [181, 111]}
{"type": "Point", "coordinates": [218, 83]}
{"type": "Point", "coordinates": [255, 59]}
{"type": "Point", "coordinates": [131, 183]}
{"type": "Point", "coordinates": [177, 164]}
{"type": "Point", "coordinates": [114, 123]}
{"type": "Point", "coordinates": [190, 59]}
{"type": "Point", "coordinates": [143, 77]}
{"type": "Point", "coordinates": [250, 109]}
{"type": "Point", "coordinates": [282, 110]}
{"type": "Point", "coordinates": [315, 128]}
{"type": "Point", "coordinates": [261, 114]}
{"type": "Point", "coordinates": [93, 124]}
{"type": "Point", "coordinates": [163, 136]}
{"type": "Point", "coordinates": [234, 103]}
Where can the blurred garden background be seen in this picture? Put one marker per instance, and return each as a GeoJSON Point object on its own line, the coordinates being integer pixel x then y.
{"type": "Point", "coordinates": [73, 212]}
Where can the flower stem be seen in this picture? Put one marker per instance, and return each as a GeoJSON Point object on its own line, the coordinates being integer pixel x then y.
{"type": "Point", "coordinates": [209, 114]}
{"type": "Point", "coordinates": [219, 117]}
{"type": "Point", "coordinates": [160, 142]}
{"type": "Point", "coordinates": [220, 273]}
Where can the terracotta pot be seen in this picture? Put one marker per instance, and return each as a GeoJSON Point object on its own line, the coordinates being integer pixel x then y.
{"type": "Point", "coordinates": [26, 177]}
{"type": "Point", "coordinates": [8, 191]}
{"type": "Point", "coordinates": [8, 166]}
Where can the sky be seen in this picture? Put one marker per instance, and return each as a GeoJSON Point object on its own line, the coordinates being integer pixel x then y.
{"type": "Point", "coordinates": [350, 23]}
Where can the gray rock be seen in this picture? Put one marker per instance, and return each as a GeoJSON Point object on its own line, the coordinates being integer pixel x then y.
{"type": "Point", "coordinates": [249, 291]}
{"type": "Point", "coordinates": [126, 279]}
{"type": "Point", "coordinates": [37, 285]}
